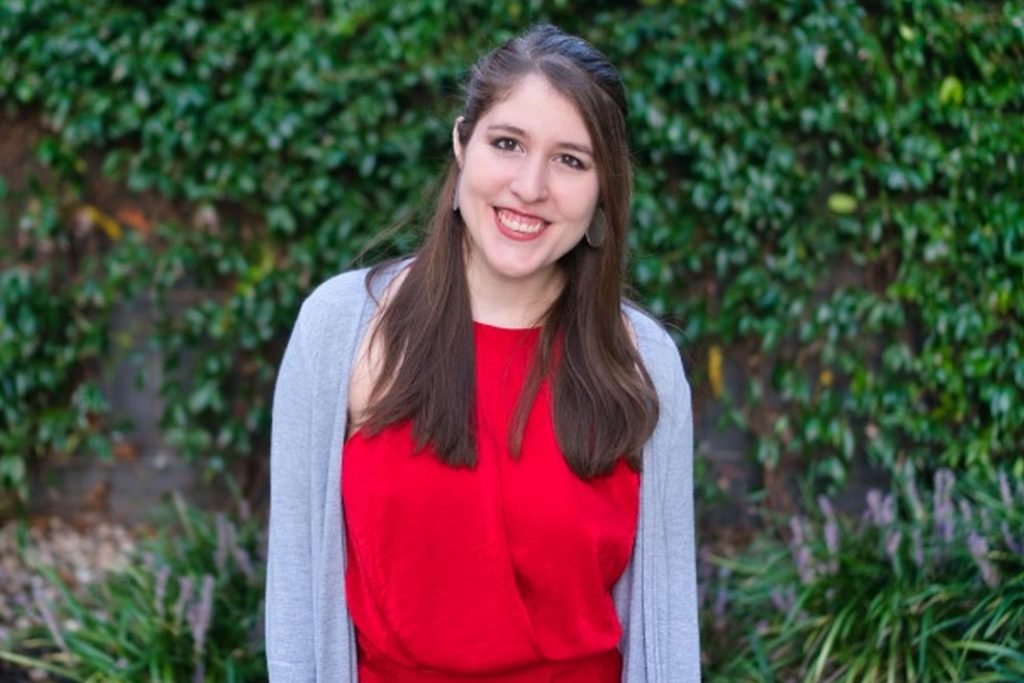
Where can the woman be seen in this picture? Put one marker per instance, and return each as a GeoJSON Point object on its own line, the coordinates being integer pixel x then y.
{"type": "Point", "coordinates": [495, 403]}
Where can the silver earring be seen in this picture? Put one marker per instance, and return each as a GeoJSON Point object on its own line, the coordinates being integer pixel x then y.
{"type": "Point", "coordinates": [597, 229]}
{"type": "Point", "coordinates": [455, 195]}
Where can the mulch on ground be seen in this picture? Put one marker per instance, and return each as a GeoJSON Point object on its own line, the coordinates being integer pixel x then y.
{"type": "Point", "coordinates": [80, 553]}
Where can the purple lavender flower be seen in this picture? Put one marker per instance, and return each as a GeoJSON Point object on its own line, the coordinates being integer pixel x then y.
{"type": "Point", "coordinates": [831, 532]}
{"type": "Point", "coordinates": [801, 550]}
{"type": "Point", "coordinates": [893, 539]}
{"type": "Point", "coordinates": [944, 480]}
{"type": "Point", "coordinates": [825, 505]}
{"type": "Point", "coordinates": [200, 615]}
{"type": "Point", "coordinates": [1004, 490]}
{"type": "Point", "coordinates": [185, 590]}
{"type": "Point", "coordinates": [918, 547]}
{"type": "Point", "coordinates": [874, 500]}
{"type": "Point", "coordinates": [243, 561]}
{"type": "Point", "coordinates": [1011, 544]}
{"type": "Point", "coordinates": [160, 589]}
{"type": "Point", "coordinates": [43, 605]}
{"type": "Point", "coordinates": [979, 551]}
{"type": "Point", "coordinates": [777, 599]}
{"type": "Point", "coordinates": [804, 566]}
{"type": "Point", "coordinates": [881, 509]}
{"type": "Point", "coordinates": [832, 537]}
{"type": "Point", "coordinates": [888, 509]}
{"type": "Point", "coordinates": [967, 512]}
{"type": "Point", "coordinates": [722, 598]}
{"type": "Point", "coordinates": [912, 495]}
{"type": "Point", "coordinates": [227, 544]}
{"type": "Point", "coordinates": [796, 527]}
{"type": "Point", "coordinates": [783, 600]}
{"type": "Point", "coordinates": [943, 505]}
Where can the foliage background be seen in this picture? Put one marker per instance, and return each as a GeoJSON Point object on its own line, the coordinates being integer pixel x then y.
{"type": "Point", "coordinates": [829, 209]}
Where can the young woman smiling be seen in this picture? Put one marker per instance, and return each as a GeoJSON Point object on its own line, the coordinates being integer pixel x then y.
{"type": "Point", "coordinates": [481, 461]}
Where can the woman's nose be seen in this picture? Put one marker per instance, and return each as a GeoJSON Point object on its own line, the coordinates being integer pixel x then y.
{"type": "Point", "coordinates": [530, 184]}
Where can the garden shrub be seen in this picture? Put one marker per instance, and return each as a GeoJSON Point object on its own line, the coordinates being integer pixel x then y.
{"type": "Point", "coordinates": [921, 587]}
{"type": "Point", "coordinates": [188, 608]}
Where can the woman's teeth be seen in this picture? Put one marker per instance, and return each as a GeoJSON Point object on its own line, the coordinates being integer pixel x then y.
{"type": "Point", "coordinates": [518, 224]}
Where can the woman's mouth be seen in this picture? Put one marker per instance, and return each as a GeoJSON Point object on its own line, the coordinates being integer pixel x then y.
{"type": "Point", "coordinates": [518, 226]}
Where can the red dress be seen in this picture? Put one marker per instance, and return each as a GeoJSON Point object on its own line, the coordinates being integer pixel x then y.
{"type": "Point", "coordinates": [499, 573]}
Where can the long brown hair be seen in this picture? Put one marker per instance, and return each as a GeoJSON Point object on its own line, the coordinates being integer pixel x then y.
{"type": "Point", "coordinates": [604, 402]}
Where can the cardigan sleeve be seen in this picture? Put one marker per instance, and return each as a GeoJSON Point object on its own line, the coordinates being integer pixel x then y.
{"type": "Point", "coordinates": [657, 596]}
{"type": "Point", "coordinates": [676, 565]}
{"type": "Point", "coordinates": [290, 636]}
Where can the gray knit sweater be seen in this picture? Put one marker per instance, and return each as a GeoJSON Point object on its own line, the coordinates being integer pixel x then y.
{"type": "Point", "coordinates": [309, 635]}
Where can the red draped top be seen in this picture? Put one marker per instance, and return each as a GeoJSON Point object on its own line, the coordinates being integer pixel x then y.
{"type": "Point", "coordinates": [498, 573]}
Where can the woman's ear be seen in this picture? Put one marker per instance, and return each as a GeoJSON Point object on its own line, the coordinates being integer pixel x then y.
{"type": "Point", "coordinates": [456, 143]}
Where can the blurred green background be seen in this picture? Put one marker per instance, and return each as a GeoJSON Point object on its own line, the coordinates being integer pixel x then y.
{"type": "Point", "coordinates": [829, 213]}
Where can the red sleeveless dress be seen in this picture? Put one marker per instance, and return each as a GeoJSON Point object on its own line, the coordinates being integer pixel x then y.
{"type": "Point", "coordinates": [502, 573]}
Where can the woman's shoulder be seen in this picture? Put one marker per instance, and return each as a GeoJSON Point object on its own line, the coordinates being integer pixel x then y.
{"type": "Point", "coordinates": [336, 291]}
{"type": "Point", "coordinates": [347, 292]}
{"type": "Point", "coordinates": [653, 340]}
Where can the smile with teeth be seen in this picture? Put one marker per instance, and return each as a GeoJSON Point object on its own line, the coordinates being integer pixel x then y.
{"type": "Point", "coordinates": [519, 223]}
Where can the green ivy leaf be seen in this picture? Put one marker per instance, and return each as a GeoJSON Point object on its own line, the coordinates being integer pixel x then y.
{"type": "Point", "coordinates": [842, 204]}
{"type": "Point", "coordinates": [951, 91]}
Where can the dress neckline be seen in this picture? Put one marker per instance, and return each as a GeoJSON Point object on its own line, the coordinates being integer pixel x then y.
{"type": "Point", "coordinates": [477, 325]}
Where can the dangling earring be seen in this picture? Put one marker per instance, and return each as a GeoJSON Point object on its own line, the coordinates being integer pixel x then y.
{"type": "Point", "coordinates": [455, 195]}
{"type": "Point", "coordinates": [597, 229]}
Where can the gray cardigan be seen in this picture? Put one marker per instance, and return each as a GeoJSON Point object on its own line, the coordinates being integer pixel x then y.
{"type": "Point", "coordinates": [309, 635]}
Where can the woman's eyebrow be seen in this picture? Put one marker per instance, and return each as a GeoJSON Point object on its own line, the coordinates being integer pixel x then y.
{"type": "Point", "coordinates": [516, 130]}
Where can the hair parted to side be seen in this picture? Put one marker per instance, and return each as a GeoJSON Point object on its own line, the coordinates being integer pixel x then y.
{"type": "Point", "coordinates": [604, 402]}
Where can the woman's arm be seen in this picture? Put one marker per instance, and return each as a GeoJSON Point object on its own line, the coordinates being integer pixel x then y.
{"type": "Point", "coordinates": [369, 361]}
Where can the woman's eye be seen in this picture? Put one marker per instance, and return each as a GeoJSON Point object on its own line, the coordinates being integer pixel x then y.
{"type": "Point", "coordinates": [505, 144]}
{"type": "Point", "coordinates": [571, 161]}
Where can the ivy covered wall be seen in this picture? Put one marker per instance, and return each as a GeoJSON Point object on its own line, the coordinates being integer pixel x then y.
{"type": "Point", "coordinates": [829, 207]}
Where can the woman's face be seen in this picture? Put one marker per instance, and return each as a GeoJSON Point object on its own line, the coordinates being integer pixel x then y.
{"type": "Point", "coordinates": [529, 185]}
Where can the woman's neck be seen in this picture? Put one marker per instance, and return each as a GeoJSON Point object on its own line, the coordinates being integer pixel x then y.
{"type": "Point", "coordinates": [512, 302]}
